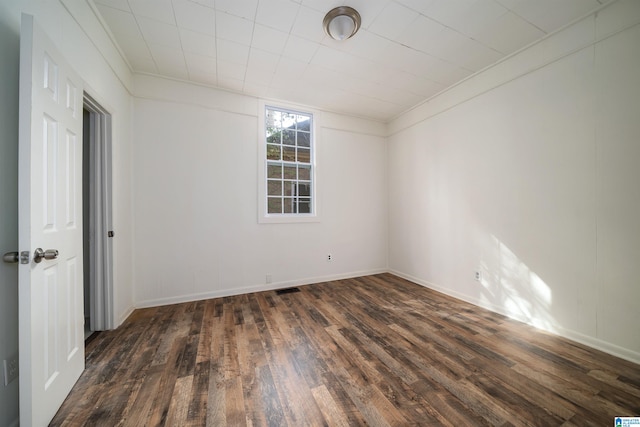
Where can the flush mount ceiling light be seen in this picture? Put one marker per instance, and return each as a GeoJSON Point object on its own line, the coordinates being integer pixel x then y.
{"type": "Point", "coordinates": [341, 23]}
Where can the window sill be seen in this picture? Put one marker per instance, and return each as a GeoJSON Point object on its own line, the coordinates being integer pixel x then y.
{"type": "Point", "coordinates": [288, 219]}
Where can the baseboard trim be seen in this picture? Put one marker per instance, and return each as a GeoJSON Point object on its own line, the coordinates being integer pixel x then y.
{"type": "Point", "coordinates": [578, 337]}
{"type": "Point", "coordinates": [125, 315]}
{"type": "Point", "coordinates": [255, 288]}
{"type": "Point", "coordinates": [589, 341]}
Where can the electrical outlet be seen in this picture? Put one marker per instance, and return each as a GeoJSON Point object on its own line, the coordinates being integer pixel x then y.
{"type": "Point", "coordinates": [10, 369]}
{"type": "Point", "coordinates": [478, 276]}
{"type": "Point", "coordinates": [329, 257]}
{"type": "Point", "coordinates": [268, 279]}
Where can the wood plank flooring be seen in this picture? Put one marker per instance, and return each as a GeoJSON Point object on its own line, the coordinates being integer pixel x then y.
{"type": "Point", "coordinates": [375, 350]}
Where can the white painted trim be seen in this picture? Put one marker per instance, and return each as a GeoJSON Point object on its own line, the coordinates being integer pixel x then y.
{"type": "Point", "coordinates": [100, 214]}
{"type": "Point", "coordinates": [613, 349]}
{"type": "Point", "coordinates": [89, 20]}
{"type": "Point", "coordinates": [125, 315]}
{"type": "Point", "coordinates": [254, 288]}
{"type": "Point", "coordinates": [263, 216]}
{"type": "Point", "coordinates": [510, 68]}
{"type": "Point", "coordinates": [180, 91]}
{"type": "Point", "coordinates": [592, 342]}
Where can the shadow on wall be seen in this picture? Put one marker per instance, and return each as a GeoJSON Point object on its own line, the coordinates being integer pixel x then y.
{"type": "Point", "coordinates": [513, 286]}
{"type": "Point", "coordinates": [9, 66]}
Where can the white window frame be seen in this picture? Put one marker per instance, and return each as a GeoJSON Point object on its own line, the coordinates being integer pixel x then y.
{"type": "Point", "coordinates": [263, 216]}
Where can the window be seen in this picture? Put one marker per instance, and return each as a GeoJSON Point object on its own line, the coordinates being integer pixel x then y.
{"type": "Point", "coordinates": [289, 159]}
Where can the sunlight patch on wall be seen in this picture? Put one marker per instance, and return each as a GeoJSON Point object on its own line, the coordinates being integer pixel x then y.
{"type": "Point", "coordinates": [510, 284]}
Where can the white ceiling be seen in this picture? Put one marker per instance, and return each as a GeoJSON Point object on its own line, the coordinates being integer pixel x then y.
{"type": "Point", "coordinates": [405, 52]}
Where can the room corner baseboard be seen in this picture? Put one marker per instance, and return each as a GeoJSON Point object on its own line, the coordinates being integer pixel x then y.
{"type": "Point", "coordinates": [578, 337]}
{"type": "Point", "coordinates": [254, 288]}
{"type": "Point", "coordinates": [125, 315]}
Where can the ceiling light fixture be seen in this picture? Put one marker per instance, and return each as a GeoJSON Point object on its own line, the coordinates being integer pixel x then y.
{"type": "Point", "coordinates": [341, 23]}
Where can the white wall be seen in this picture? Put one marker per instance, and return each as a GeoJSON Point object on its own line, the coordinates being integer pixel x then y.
{"type": "Point", "coordinates": [528, 172]}
{"type": "Point", "coordinates": [195, 180]}
{"type": "Point", "coordinates": [68, 24]}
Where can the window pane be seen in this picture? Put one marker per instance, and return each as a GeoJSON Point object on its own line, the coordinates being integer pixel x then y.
{"type": "Point", "coordinates": [274, 171]}
{"type": "Point", "coordinates": [303, 122]}
{"type": "Point", "coordinates": [274, 205]}
{"type": "Point", "coordinates": [275, 188]}
{"type": "Point", "coordinates": [304, 205]}
{"type": "Point", "coordinates": [304, 190]}
{"type": "Point", "coordinates": [288, 137]}
{"type": "Point", "coordinates": [274, 137]}
{"type": "Point", "coordinates": [304, 139]}
{"type": "Point", "coordinates": [304, 155]}
{"type": "Point", "coordinates": [290, 172]}
{"type": "Point", "coordinates": [288, 206]}
{"type": "Point", "coordinates": [304, 173]}
{"type": "Point", "coordinates": [273, 120]}
{"type": "Point", "coordinates": [273, 152]}
{"type": "Point", "coordinates": [288, 120]}
{"type": "Point", "coordinates": [289, 187]}
{"type": "Point", "coordinates": [289, 154]}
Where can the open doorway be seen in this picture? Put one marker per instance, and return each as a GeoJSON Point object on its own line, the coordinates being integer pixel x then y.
{"type": "Point", "coordinates": [97, 218]}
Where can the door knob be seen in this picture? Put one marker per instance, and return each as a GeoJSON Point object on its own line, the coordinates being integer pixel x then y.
{"type": "Point", "coordinates": [39, 254]}
{"type": "Point", "coordinates": [11, 257]}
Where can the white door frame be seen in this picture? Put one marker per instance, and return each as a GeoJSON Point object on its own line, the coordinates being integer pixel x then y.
{"type": "Point", "coordinates": [100, 251]}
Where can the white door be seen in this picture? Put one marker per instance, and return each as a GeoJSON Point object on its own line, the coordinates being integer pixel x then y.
{"type": "Point", "coordinates": [50, 217]}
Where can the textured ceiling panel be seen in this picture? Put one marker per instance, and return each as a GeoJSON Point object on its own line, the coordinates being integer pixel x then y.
{"type": "Point", "coordinates": [405, 52]}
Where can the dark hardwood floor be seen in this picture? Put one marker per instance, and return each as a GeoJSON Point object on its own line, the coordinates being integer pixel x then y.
{"type": "Point", "coordinates": [376, 350]}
